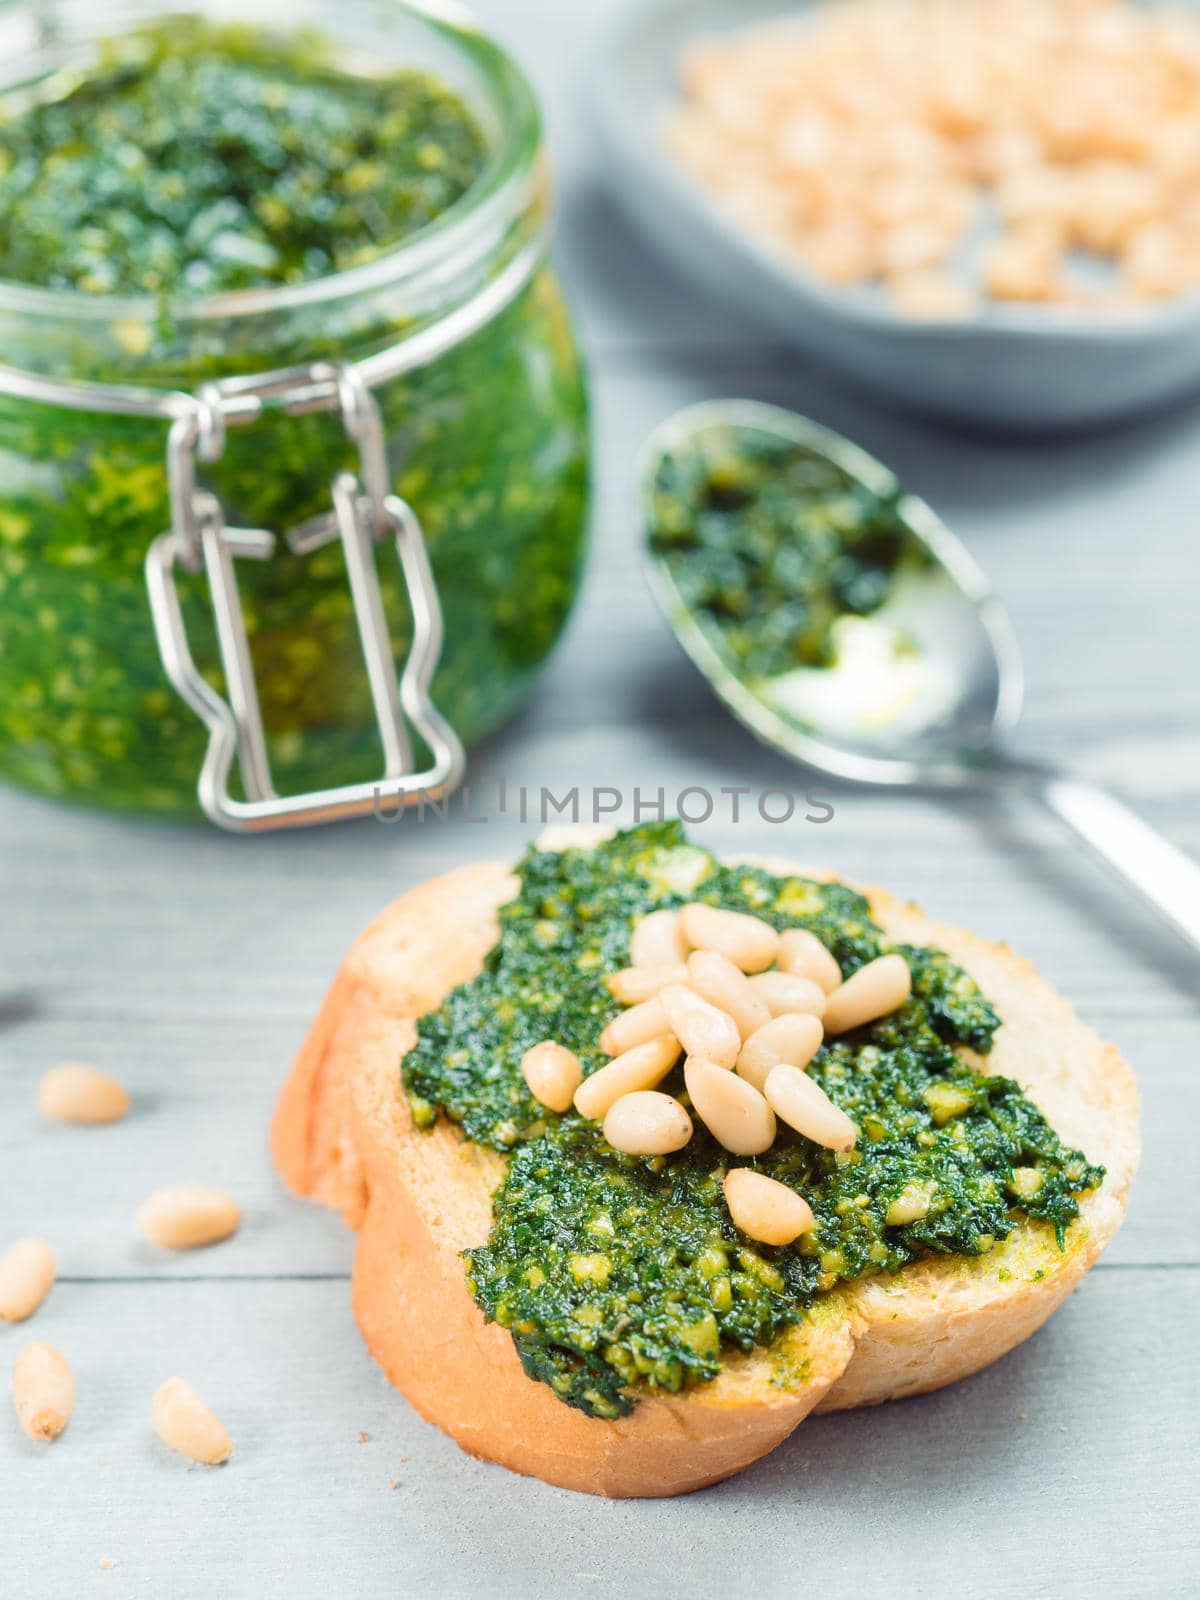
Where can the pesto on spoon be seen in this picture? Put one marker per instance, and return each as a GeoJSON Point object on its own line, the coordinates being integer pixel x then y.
{"type": "Point", "coordinates": [840, 619]}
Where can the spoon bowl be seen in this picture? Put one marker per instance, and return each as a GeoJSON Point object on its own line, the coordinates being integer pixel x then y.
{"type": "Point", "coordinates": [921, 692]}
{"type": "Point", "coordinates": [926, 685]}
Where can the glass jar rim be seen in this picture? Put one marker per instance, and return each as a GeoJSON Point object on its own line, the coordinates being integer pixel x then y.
{"type": "Point", "coordinates": [505, 187]}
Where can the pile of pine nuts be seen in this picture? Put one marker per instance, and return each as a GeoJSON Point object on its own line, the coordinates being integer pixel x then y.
{"type": "Point", "coordinates": [871, 141]}
{"type": "Point", "coordinates": [180, 1218]}
{"type": "Point", "coordinates": [748, 1008]}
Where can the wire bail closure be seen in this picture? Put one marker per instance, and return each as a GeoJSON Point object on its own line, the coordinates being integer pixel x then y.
{"type": "Point", "coordinates": [364, 513]}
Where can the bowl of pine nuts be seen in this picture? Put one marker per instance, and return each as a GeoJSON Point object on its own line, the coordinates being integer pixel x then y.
{"type": "Point", "coordinates": [987, 209]}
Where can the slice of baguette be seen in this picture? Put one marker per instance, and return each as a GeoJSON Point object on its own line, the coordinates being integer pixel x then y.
{"type": "Point", "coordinates": [343, 1135]}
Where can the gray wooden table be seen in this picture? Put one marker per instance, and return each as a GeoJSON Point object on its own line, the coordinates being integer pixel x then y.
{"type": "Point", "coordinates": [189, 963]}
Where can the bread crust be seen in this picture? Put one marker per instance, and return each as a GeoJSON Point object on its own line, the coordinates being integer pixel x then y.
{"type": "Point", "coordinates": [342, 1135]}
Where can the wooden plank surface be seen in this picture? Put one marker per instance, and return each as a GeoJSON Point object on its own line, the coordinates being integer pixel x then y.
{"type": "Point", "coordinates": [995, 1487]}
{"type": "Point", "coordinates": [190, 963]}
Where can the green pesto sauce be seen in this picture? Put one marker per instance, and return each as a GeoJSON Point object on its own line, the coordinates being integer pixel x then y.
{"type": "Point", "coordinates": [228, 157]}
{"type": "Point", "coordinates": [191, 158]}
{"type": "Point", "coordinates": [614, 1271]}
{"type": "Point", "coordinates": [769, 545]}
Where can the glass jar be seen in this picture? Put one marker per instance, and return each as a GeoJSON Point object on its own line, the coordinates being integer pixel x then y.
{"type": "Point", "coordinates": [484, 424]}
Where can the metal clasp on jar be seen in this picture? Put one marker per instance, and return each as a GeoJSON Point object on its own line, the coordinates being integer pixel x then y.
{"type": "Point", "coordinates": [364, 512]}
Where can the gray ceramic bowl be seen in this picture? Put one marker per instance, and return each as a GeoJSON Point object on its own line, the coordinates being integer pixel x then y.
{"type": "Point", "coordinates": [1012, 366]}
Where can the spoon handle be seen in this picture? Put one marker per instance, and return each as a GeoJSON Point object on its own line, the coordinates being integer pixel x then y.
{"type": "Point", "coordinates": [1165, 877]}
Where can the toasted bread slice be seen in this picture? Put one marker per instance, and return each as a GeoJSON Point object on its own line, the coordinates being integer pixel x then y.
{"type": "Point", "coordinates": [343, 1135]}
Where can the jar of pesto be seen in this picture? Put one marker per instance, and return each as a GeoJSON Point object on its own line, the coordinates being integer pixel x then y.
{"type": "Point", "coordinates": [284, 366]}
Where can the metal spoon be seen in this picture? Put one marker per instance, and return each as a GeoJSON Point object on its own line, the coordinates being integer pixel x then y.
{"type": "Point", "coordinates": [934, 716]}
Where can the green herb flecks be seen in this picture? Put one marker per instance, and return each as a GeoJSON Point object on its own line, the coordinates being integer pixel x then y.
{"type": "Point", "coordinates": [769, 545]}
{"type": "Point", "coordinates": [191, 158]}
{"type": "Point", "coordinates": [614, 1272]}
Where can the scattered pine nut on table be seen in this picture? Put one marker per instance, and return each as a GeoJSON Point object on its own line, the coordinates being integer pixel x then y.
{"type": "Point", "coordinates": [187, 1217]}
{"type": "Point", "coordinates": [184, 1423]}
{"type": "Point", "coordinates": [77, 1092]}
{"type": "Point", "coordinates": [43, 1391]}
{"type": "Point", "coordinates": [27, 1272]}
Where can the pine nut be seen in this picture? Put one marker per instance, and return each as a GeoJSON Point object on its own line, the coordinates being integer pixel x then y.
{"type": "Point", "coordinates": [911, 1204]}
{"type": "Point", "coordinates": [43, 1391]}
{"type": "Point", "coordinates": [732, 1110]}
{"type": "Point", "coordinates": [184, 1423]}
{"type": "Point", "coordinates": [793, 1038]}
{"type": "Point", "coordinates": [748, 942]}
{"type": "Point", "coordinates": [553, 1074]}
{"type": "Point", "coordinates": [632, 985]}
{"type": "Point", "coordinates": [647, 1123]}
{"type": "Point", "coordinates": [874, 991]}
{"type": "Point", "coordinates": [802, 954]}
{"type": "Point", "coordinates": [657, 941]}
{"type": "Point", "coordinates": [717, 980]}
{"type": "Point", "coordinates": [26, 1278]}
{"type": "Point", "coordinates": [804, 1105]}
{"type": "Point", "coordinates": [634, 1027]}
{"type": "Point", "coordinates": [945, 1101]}
{"type": "Point", "coordinates": [783, 992]}
{"type": "Point", "coordinates": [640, 1068]}
{"type": "Point", "coordinates": [702, 1029]}
{"type": "Point", "coordinates": [1026, 1182]}
{"type": "Point", "coordinates": [764, 1208]}
{"type": "Point", "coordinates": [75, 1092]}
{"type": "Point", "coordinates": [188, 1216]}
